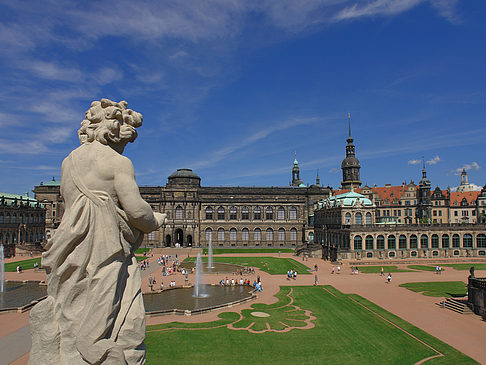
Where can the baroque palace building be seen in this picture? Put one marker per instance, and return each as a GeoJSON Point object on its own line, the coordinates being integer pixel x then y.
{"type": "Point", "coordinates": [405, 221]}
{"type": "Point", "coordinates": [229, 216]}
{"type": "Point", "coordinates": [21, 223]}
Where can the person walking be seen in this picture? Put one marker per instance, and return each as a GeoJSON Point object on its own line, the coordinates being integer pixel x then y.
{"type": "Point", "coordinates": [315, 280]}
{"type": "Point", "coordinates": [388, 279]}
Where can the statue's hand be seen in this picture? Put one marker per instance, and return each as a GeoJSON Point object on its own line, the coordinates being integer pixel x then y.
{"type": "Point", "coordinates": [161, 218]}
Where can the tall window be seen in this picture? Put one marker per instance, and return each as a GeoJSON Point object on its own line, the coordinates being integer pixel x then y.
{"type": "Point", "coordinates": [424, 241]}
{"type": "Point", "coordinates": [358, 243]}
{"type": "Point", "coordinates": [257, 213]}
{"type": "Point", "coordinates": [7, 218]}
{"type": "Point", "coordinates": [21, 219]}
{"type": "Point", "coordinates": [293, 213]}
{"type": "Point", "coordinates": [392, 242]}
{"type": "Point", "coordinates": [245, 234]}
{"type": "Point", "coordinates": [1, 217]}
{"type": "Point", "coordinates": [151, 236]}
{"type": "Point", "coordinates": [456, 241]}
{"type": "Point", "coordinates": [347, 218]}
{"type": "Point", "coordinates": [368, 218]}
{"type": "Point", "coordinates": [369, 242]}
{"type": "Point", "coordinates": [402, 241]}
{"type": "Point", "coordinates": [445, 241]}
{"type": "Point", "coordinates": [31, 218]}
{"type": "Point", "coordinates": [220, 213]}
{"type": "Point", "coordinates": [293, 234]}
{"type": "Point", "coordinates": [257, 234]}
{"type": "Point", "coordinates": [269, 213]}
{"type": "Point", "coordinates": [280, 213]}
{"type": "Point", "coordinates": [14, 218]}
{"type": "Point", "coordinates": [481, 240]}
{"type": "Point", "coordinates": [209, 213]}
{"type": "Point", "coordinates": [467, 241]}
{"type": "Point", "coordinates": [233, 212]}
{"type": "Point", "coordinates": [233, 234]}
{"type": "Point", "coordinates": [179, 214]}
{"type": "Point", "coordinates": [413, 241]}
{"type": "Point", "coordinates": [209, 234]}
{"type": "Point", "coordinates": [380, 242]}
{"type": "Point", "coordinates": [281, 234]}
{"type": "Point", "coordinates": [245, 213]}
{"type": "Point", "coordinates": [358, 219]}
{"type": "Point", "coordinates": [221, 234]}
{"type": "Point", "coordinates": [269, 234]}
{"type": "Point", "coordinates": [435, 241]}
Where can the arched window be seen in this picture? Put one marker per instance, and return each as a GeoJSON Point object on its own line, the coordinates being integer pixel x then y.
{"type": "Point", "coordinates": [293, 213]}
{"type": "Point", "coordinates": [7, 218]}
{"type": "Point", "coordinates": [179, 213]}
{"type": "Point", "coordinates": [358, 219]}
{"type": "Point", "coordinates": [293, 234]}
{"type": "Point", "coordinates": [380, 242]}
{"type": "Point", "coordinates": [221, 234]}
{"type": "Point", "coordinates": [392, 242]}
{"type": "Point", "coordinates": [368, 218]}
{"type": "Point", "coordinates": [269, 213]}
{"type": "Point", "coordinates": [424, 241]}
{"type": "Point", "coordinates": [445, 241]}
{"type": "Point", "coordinates": [245, 213]}
{"type": "Point", "coordinates": [257, 234]}
{"type": "Point", "coordinates": [347, 218]}
{"type": "Point", "coordinates": [358, 243]}
{"type": "Point", "coordinates": [481, 240]}
{"type": "Point", "coordinates": [220, 213]}
{"type": "Point", "coordinates": [456, 241]}
{"type": "Point", "coordinates": [233, 234]}
{"type": "Point", "coordinates": [402, 241]}
{"type": "Point", "coordinates": [413, 241]}
{"type": "Point", "coordinates": [257, 213]}
{"type": "Point", "coordinates": [369, 242]}
{"type": "Point", "coordinates": [209, 234]}
{"type": "Point", "coordinates": [31, 218]}
{"type": "Point", "coordinates": [209, 213]}
{"type": "Point", "coordinates": [21, 219]}
{"type": "Point", "coordinates": [467, 241]}
{"type": "Point", "coordinates": [269, 234]}
{"type": "Point", "coordinates": [281, 234]}
{"type": "Point", "coordinates": [245, 234]}
{"type": "Point", "coordinates": [233, 213]}
{"type": "Point", "coordinates": [280, 213]}
{"type": "Point", "coordinates": [14, 218]}
{"type": "Point", "coordinates": [435, 241]}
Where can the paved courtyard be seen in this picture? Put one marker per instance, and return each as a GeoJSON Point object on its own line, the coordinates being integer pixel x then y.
{"type": "Point", "coordinates": [464, 332]}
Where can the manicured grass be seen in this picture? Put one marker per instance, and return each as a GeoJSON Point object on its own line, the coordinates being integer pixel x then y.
{"type": "Point", "coordinates": [141, 251]}
{"type": "Point", "coordinates": [467, 266]}
{"type": "Point", "coordinates": [272, 265]}
{"type": "Point", "coordinates": [377, 269]}
{"type": "Point", "coordinates": [348, 330]}
{"type": "Point", "coordinates": [222, 251]}
{"type": "Point", "coordinates": [26, 264]}
{"type": "Point", "coordinates": [141, 258]}
{"type": "Point", "coordinates": [438, 289]}
{"type": "Point", "coordinates": [423, 267]}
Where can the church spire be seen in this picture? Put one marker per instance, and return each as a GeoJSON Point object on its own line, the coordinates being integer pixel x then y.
{"type": "Point", "coordinates": [318, 181]}
{"type": "Point", "coordinates": [350, 165]}
{"type": "Point", "coordinates": [349, 124]}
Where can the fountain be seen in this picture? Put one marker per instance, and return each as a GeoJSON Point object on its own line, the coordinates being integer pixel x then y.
{"type": "Point", "coordinates": [2, 270]}
{"type": "Point", "coordinates": [210, 254]}
{"type": "Point", "coordinates": [197, 283]}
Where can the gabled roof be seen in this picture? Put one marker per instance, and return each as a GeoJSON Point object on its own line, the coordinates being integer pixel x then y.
{"type": "Point", "coordinates": [470, 196]}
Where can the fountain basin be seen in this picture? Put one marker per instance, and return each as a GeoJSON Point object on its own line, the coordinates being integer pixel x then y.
{"type": "Point", "coordinates": [218, 267]}
{"type": "Point", "coordinates": [182, 300]}
{"type": "Point", "coordinates": [21, 295]}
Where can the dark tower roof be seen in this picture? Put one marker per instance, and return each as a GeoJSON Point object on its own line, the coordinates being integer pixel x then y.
{"type": "Point", "coordinates": [184, 177]}
{"type": "Point", "coordinates": [350, 164]}
{"type": "Point", "coordinates": [424, 181]}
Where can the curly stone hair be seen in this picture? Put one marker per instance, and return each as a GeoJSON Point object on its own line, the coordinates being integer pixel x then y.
{"type": "Point", "coordinates": [108, 121]}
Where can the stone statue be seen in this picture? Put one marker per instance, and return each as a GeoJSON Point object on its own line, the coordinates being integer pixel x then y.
{"type": "Point", "coordinates": [94, 312]}
{"type": "Point", "coordinates": [471, 272]}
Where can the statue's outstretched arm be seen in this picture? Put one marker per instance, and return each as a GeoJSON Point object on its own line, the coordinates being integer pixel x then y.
{"type": "Point", "coordinates": [139, 212]}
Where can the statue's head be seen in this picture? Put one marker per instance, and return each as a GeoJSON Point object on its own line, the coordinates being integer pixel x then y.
{"type": "Point", "coordinates": [108, 121]}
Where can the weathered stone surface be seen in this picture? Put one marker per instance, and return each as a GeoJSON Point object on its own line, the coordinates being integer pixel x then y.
{"type": "Point", "coordinates": [94, 310]}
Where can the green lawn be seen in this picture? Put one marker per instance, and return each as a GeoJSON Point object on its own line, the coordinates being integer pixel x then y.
{"type": "Point", "coordinates": [377, 269]}
{"type": "Point", "coordinates": [222, 251]}
{"type": "Point", "coordinates": [423, 267]}
{"type": "Point", "coordinates": [141, 258]}
{"type": "Point", "coordinates": [26, 264]}
{"type": "Point", "coordinates": [438, 289]}
{"type": "Point", "coordinates": [141, 251]}
{"type": "Point", "coordinates": [348, 330]}
{"type": "Point", "coordinates": [272, 265]}
{"type": "Point", "coordinates": [467, 266]}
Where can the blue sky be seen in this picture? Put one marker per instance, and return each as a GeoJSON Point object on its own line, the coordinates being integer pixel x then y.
{"type": "Point", "coordinates": [232, 88]}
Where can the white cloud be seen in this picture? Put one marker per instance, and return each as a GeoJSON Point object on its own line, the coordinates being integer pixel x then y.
{"type": "Point", "coordinates": [107, 75]}
{"type": "Point", "coordinates": [473, 186]}
{"type": "Point", "coordinates": [334, 170]}
{"type": "Point", "coordinates": [469, 166]}
{"type": "Point", "coordinates": [52, 71]}
{"type": "Point", "coordinates": [434, 160]}
{"type": "Point", "coordinates": [376, 7]}
{"type": "Point", "coordinates": [414, 162]}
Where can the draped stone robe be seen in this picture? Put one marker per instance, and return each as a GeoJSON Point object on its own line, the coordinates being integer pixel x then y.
{"type": "Point", "coordinates": [94, 311]}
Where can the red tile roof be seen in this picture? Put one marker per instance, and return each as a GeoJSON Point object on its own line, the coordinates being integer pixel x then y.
{"type": "Point", "coordinates": [470, 196]}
